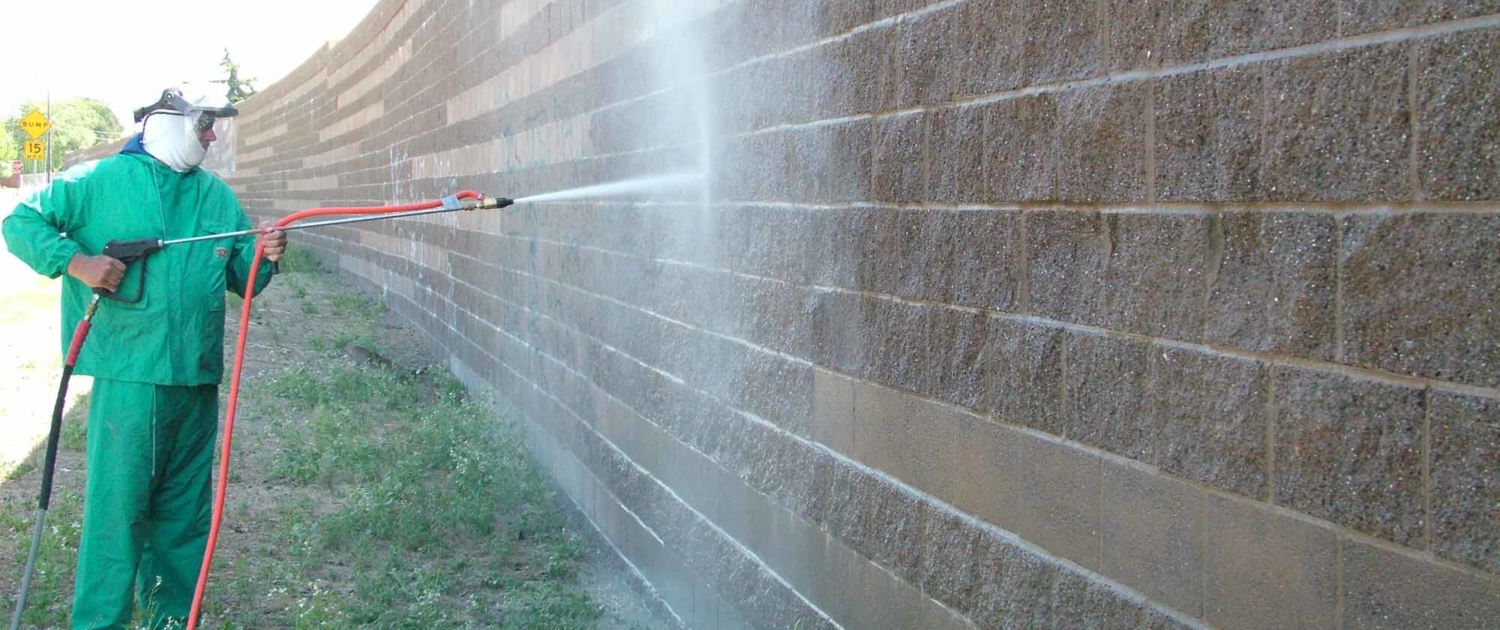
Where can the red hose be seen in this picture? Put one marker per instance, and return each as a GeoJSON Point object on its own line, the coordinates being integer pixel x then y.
{"type": "Point", "coordinates": [239, 362]}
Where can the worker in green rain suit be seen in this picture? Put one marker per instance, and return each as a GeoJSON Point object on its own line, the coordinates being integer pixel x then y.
{"type": "Point", "coordinates": [156, 359]}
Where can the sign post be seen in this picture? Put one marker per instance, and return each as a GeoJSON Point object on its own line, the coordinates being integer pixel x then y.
{"type": "Point", "coordinates": [35, 124]}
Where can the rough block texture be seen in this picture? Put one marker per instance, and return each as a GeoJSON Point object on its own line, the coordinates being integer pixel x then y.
{"type": "Point", "coordinates": [1338, 127]}
{"type": "Point", "coordinates": [1351, 452]}
{"type": "Point", "coordinates": [1273, 283]}
{"type": "Point", "coordinates": [1465, 445]}
{"type": "Point", "coordinates": [1404, 313]}
{"type": "Point", "coordinates": [986, 314]}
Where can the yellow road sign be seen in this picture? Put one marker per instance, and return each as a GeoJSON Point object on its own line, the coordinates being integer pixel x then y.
{"type": "Point", "coordinates": [35, 124]}
{"type": "Point", "coordinates": [35, 150]}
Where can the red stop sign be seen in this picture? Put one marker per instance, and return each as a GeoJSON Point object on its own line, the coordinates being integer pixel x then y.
{"type": "Point", "coordinates": [16, 166]}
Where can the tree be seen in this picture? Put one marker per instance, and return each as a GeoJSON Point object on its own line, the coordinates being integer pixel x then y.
{"type": "Point", "coordinates": [239, 89]}
{"type": "Point", "coordinates": [77, 123]}
{"type": "Point", "coordinates": [8, 151]}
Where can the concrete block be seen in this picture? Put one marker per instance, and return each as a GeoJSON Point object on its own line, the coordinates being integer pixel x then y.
{"type": "Point", "coordinates": [1059, 41]}
{"type": "Point", "coordinates": [834, 247]}
{"type": "Point", "coordinates": [1102, 141]}
{"type": "Point", "coordinates": [842, 330]}
{"type": "Point", "coordinates": [851, 75]}
{"type": "Point", "coordinates": [956, 141]}
{"type": "Point", "coordinates": [1376, 15]}
{"type": "Point", "coordinates": [882, 599]}
{"type": "Point", "coordinates": [939, 448]}
{"type": "Point", "coordinates": [1131, 272]}
{"type": "Point", "coordinates": [847, 499]}
{"type": "Point", "coordinates": [1107, 395]}
{"type": "Point", "coordinates": [899, 346]}
{"type": "Point", "coordinates": [1152, 529]}
{"type": "Point", "coordinates": [893, 527]}
{"type": "Point", "coordinates": [901, 158]}
{"type": "Point", "coordinates": [987, 258]}
{"type": "Point", "coordinates": [833, 411]}
{"type": "Point", "coordinates": [761, 241]}
{"type": "Point", "coordinates": [1387, 590]}
{"type": "Point", "coordinates": [1350, 451]}
{"type": "Point", "coordinates": [880, 430]}
{"type": "Point", "coordinates": [956, 356]}
{"type": "Point", "coordinates": [1084, 604]}
{"type": "Point", "coordinates": [879, 242]}
{"type": "Point", "coordinates": [828, 164]}
{"type": "Point", "coordinates": [1264, 569]}
{"type": "Point", "coordinates": [949, 563]}
{"type": "Point", "coordinates": [956, 52]}
{"type": "Point", "coordinates": [794, 475]}
{"type": "Point", "coordinates": [1154, 280]}
{"type": "Point", "coordinates": [925, 256]}
{"type": "Point", "coordinates": [1272, 283]}
{"type": "Point", "coordinates": [1208, 128]}
{"type": "Point", "coordinates": [833, 586]}
{"type": "Point", "coordinates": [1339, 127]}
{"type": "Point", "coordinates": [705, 611]}
{"type": "Point", "coordinates": [771, 314]}
{"type": "Point", "coordinates": [1419, 295]}
{"type": "Point", "coordinates": [794, 551]}
{"type": "Point", "coordinates": [1207, 420]}
{"type": "Point", "coordinates": [1043, 491]}
{"type": "Point", "coordinates": [1020, 152]}
{"type": "Point", "coordinates": [1015, 586]}
{"type": "Point", "coordinates": [1026, 374]}
{"type": "Point", "coordinates": [1457, 114]}
{"type": "Point", "coordinates": [1464, 451]}
{"type": "Point", "coordinates": [1157, 621]}
{"type": "Point", "coordinates": [923, 76]}
{"type": "Point", "coordinates": [1146, 34]}
{"type": "Point", "coordinates": [1066, 255]}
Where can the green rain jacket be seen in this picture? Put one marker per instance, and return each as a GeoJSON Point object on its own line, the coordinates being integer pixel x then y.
{"type": "Point", "coordinates": [175, 334]}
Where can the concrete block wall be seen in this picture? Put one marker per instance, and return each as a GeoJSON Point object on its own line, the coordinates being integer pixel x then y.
{"type": "Point", "coordinates": [993, 313]}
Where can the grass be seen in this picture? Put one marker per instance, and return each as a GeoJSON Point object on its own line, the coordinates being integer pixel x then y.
{"type": "Point", "coordinates": [299, 259]}
{"type": "Point", "coordinates": [440, 511]}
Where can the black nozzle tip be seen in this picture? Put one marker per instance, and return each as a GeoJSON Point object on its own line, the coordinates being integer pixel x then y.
{"type": "Point", "coordinates": [501, 202]}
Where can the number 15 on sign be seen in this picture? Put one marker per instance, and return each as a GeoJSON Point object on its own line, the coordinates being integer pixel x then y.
{"type": "Point", "coordinates": [35, 150]}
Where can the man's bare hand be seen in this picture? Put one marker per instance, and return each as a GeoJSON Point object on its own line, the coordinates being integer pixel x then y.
{"type": "Point", "coordinates": [99, 272]}
{"type": "Point", "coordinates": [274, 239]}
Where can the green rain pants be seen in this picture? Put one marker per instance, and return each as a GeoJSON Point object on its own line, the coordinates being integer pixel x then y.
{"type": "Point", "coordinates": [146, 502]}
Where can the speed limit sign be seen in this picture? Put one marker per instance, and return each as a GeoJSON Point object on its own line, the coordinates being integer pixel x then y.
{"type": "Point", "coordinates": [35, 150]}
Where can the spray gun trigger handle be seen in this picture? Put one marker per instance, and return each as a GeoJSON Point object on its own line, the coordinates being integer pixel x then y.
{"type": "Point", "coordinates": [130, 251]}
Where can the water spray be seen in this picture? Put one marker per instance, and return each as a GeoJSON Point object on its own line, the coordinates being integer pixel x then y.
{"type": "Point", "coordinates": [615, 189]}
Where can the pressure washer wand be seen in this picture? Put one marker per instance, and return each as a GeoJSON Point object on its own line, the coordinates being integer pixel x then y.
{"type": "Point", "coordinates": [45, 498]}
{"type": "Point", "coordinates": [498, 202]}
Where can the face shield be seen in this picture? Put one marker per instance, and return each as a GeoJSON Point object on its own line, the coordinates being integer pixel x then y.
{"type": "Point", "coordinates": [185, 129]}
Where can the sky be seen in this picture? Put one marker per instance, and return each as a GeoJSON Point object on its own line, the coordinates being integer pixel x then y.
{"type": "Point", "coordinates": [125, 52]}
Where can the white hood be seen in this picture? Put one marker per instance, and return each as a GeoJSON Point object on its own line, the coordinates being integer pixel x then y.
{"type": "Point", "coordinates": [171, 139]}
